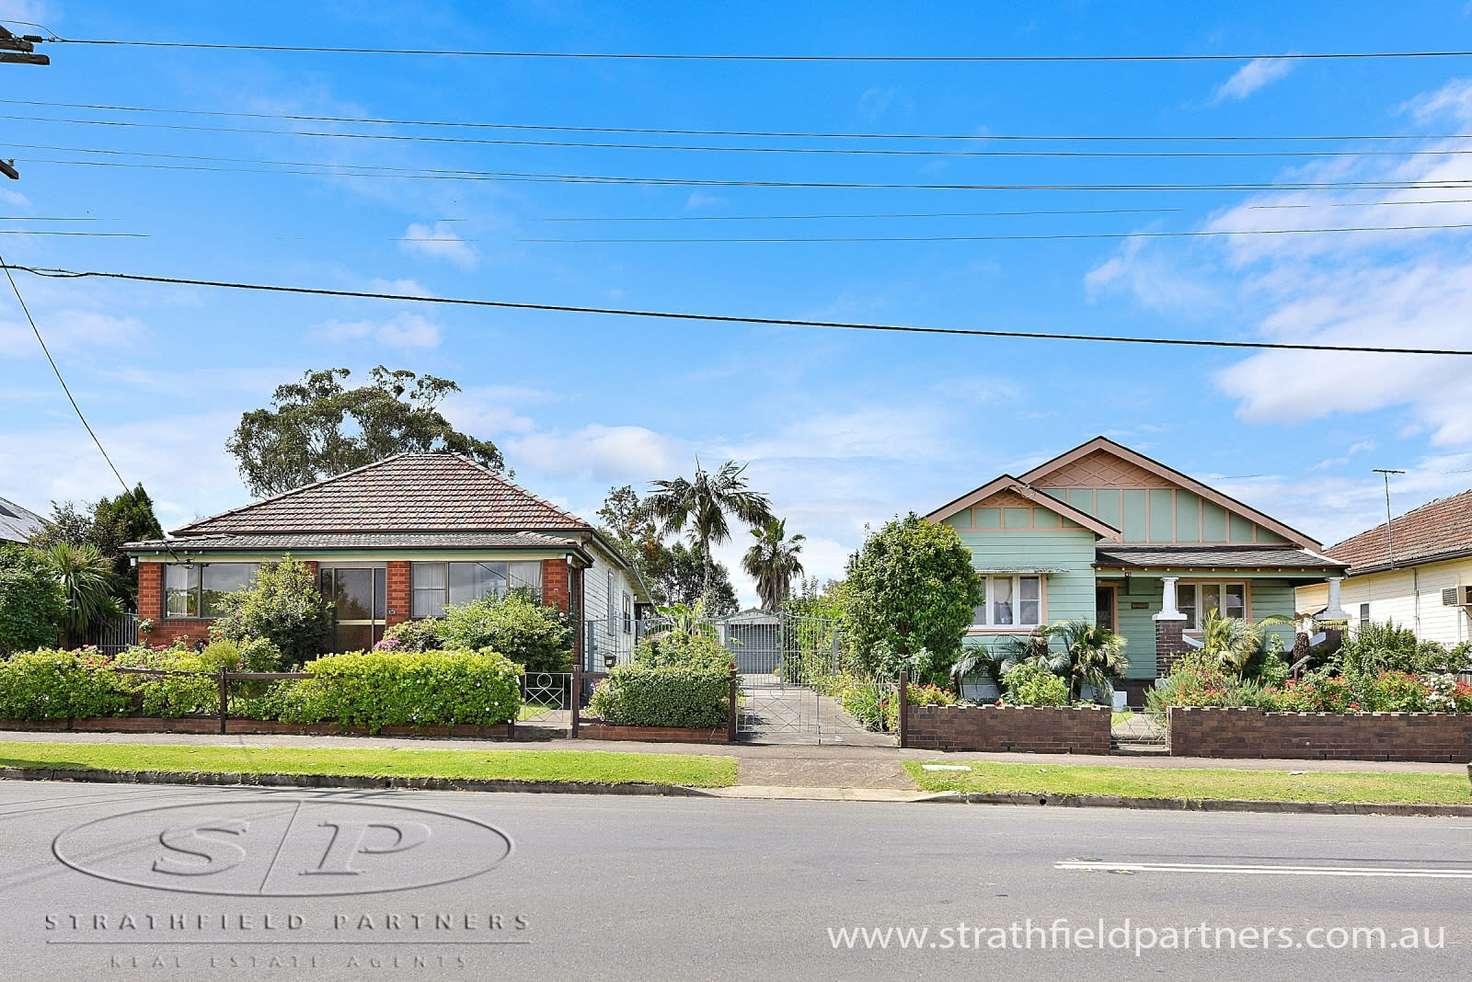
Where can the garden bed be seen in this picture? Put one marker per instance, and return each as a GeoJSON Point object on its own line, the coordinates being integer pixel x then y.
{"type": "Point", "coordinates": [157, 724]}
{"type": "Point", "coordinates": [1001, 729]}
{"type": "Point", "coordinates": [1253, 733]}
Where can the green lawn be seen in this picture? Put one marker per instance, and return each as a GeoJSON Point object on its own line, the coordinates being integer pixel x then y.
{"type": "Point", "coordinates": [702, 771]}
{"type": "Point", "coordinates": [1199, 783]}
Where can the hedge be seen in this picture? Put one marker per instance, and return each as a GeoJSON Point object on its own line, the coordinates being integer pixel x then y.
{"type": "Point", "coordinates": [47, 684]}
{"type": "Point", "coordinates": [639, 695]}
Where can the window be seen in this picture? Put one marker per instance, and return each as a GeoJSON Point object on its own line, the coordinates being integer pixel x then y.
{"type": "Point", "coordinates": [196, 589]}
{"type": "Point", "coordinates": [1198, 600]}
{"type": "Point", "coordinates": [628, 614]}
{"type": "Point", "coordinates": [437, 584]}
{"type": "Point", "coordinates": [1364, 613]}
{"type": "Point", "coordinates": [1009, 601]}
{"type": "Point", "coordinates": [611, 598]}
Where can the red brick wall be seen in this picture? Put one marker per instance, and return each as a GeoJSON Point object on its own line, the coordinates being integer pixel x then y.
{"type": "Point", "coordinates": [555, 584]}
{"type": "Point", "coordinates": [1320, 736]}
{"type": "Point", "coordinates": [399, 586]}
{"type": "Point", "coordinates": [998, 729]}
{"type": "Point", "coordinates": [151, 590]}
{"type": "Point", "coordinates": [1170, 645]}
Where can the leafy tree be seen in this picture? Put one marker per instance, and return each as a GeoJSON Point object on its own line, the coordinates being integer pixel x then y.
{"type": "Point", "coordinates": [316, 428]}
{"type": "Point", "coordinates": [680, 579]}
{"type": "Point", "coordinates": [911, 588]}
{"type": "Point", "coordinates": [772, 561]}
{"type": "Point", "coordinates": [701, 505]}
{"type": "Point", "coordinates": [87, 585]}
{"type": "Point", "coordinates": [629, 523]}
{"type": "Point", "coordinates": [282, 605]}
{"type": "Point", "coordinates": [68, 523]}
{"type": "Point", "coordinates": [125, 518]}
{"type": "Point", "coordinates": [31, 602]}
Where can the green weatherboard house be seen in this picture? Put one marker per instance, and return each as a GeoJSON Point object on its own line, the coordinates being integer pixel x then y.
{"type": "Point", "coordinates": [1105, 534]}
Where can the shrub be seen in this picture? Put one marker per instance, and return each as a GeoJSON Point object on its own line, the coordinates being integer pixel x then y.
{"type": "Point", "coordinates": [175, 696]}
{"type": "Point", "coordinates": [535, 637]}
{"type": "Point", "coordinates": [680, 649]}
{"type": "Point", "coordinates": [419, 635]}
{"type": "Point", "coordinates": [32, 604]}
{"type": "Point", "coordinates": [282, 605]}
{"type": "Point", "coordinates": [1031, 684]}
{"type": "Point", "coordinates": [641, 695]}
{"type": "Point", "coordinates": [871, 704]}
{"type": "Point", "coordinates": [374, 689]}
{"type": "Point", "coordinates": [46, 684]}
{"type": "Point", "coordinates": [912, 587]}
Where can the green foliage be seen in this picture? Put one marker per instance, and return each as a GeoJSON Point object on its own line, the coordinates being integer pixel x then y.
{"type": "Point", "coordinates": [128, 517]}
{"type": "Point", "coordinates": [536, 637]}
{"type": "Point", "coordinates": [1032, 684]}
{"type": "Point", "coordinates": [695, 647]}
{"type": "Point", "coordinates": [701, 504]}
{"type": "Point", "coordinates": [32, 604]}
{"type": "Point", "coordinates": [87, 585]}
{"type": "Point", "coordinates": [1094, 655]}
{"type": "Point", "coordinates": [283, 606]}
{"type": "Point", "coordinates": [47, 684]}
{"type": "Point", "coordinates": [870, 703]}
{"type": "Point", "coordinates": [1374, 648]}
{"type": "Point", "coordinates": [772, 561]}
{"type": "Point", "coordinates": [374, 689]}
{"type": "Point", "coordinates": [316, 428]}
{"type": "Point", "coordinates": [911, 587]}
{"type": "Point", "coordinates": [679, 576]}
{"type": "Point", "coordinates": [641, 695]}
{"type": "Point", "coordinates": [176, 696]}
{"type": "Point", "coordinates": [419, 635]}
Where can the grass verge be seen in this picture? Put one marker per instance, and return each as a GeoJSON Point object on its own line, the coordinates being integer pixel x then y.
{"type": "Point", "coordinates": [1200, 783]}
{"type": "Point", "coordinates": [593, 767]}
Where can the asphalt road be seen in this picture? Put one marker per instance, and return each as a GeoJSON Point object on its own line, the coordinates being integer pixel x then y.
{"type": "Point", "coordinates": [105, 882]}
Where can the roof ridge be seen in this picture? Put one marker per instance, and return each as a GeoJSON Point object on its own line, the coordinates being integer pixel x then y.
{"type": "Point", "coordinates": [526, 491]}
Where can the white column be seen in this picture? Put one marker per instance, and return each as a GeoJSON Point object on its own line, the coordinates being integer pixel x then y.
{"type": "Point", "coordinates": [1334, 612]}
{"type": "Point", "coordinates": [1168, 610]}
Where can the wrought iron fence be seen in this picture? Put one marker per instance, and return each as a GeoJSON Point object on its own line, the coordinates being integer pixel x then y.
{"type": "Point", "coordinates": [117, 633]}
{"type": "Point", "coordinates": [793, 650]}
{"type": "Point", "coordinates": [546, 698]}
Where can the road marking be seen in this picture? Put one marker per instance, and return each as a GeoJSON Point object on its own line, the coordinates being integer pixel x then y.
{"type": "Point", "coordinates": [1461, 873]}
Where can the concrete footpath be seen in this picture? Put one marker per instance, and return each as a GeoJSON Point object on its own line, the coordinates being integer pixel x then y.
{"type": "Point", "coordinates": [835, 772]}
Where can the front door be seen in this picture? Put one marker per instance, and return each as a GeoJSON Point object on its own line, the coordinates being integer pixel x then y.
{"type": "Point", "coordinates": [1106, 606]}
{"type": "Point", "coordinates": [359, 598]}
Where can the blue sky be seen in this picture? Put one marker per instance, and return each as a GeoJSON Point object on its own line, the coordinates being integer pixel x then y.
{"type": "Point", "coordinates": [841, 429]}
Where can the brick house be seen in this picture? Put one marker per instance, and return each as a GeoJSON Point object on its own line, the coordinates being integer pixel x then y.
{"type": "Point", "coordinates": [395, 540]}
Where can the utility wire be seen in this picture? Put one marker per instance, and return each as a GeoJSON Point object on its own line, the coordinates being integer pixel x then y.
{"type": "Point", "coordinates": [690, 56]}
{"type": "Point", "coordinates": [445, 174]}
{"type": "Point", "coordinates": [687, 148]}
{"type": "Point", "coordinates": [1007, 238]}
{"type": "Point", "coordinates": [61, 273]}
{"type": "Point", "coordinates": [37, 218]}
{"type": "Point", "coordinates": [772, 134]}
{"type": "Point", "coordinates": [57, 371]}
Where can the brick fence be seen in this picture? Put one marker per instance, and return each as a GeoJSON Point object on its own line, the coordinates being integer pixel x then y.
{"type": "Point", "coordinates": [1196, 732]}
{"type": "Point", "coordinates": [1028, 729]}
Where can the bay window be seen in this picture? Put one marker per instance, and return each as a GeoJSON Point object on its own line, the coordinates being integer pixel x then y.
{"type": "Point", "coordinates": [196, 589]}
{"type": "Point", "coordinates": [1198, 600]}
{"type": "Point", "coordinates": [436, 584]}
{"type": "Point", "coordinates": [1009, 601]}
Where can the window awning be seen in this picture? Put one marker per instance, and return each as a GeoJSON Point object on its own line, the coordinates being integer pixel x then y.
{"type": "Point", "coordinates": [1025, 571]}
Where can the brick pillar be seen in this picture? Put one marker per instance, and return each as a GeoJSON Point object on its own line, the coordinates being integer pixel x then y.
{"type": "Point", "coordinates": [151, 591]}
{"type": "Point", "coordinates": [1170, 644]}
{"type": "Point", "coordinates": [555, 584]}
{"type": "Point", "coordinates": [398, 587]}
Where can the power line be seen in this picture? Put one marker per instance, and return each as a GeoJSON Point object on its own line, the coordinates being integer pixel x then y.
{"type": "Point", "coordinates": [447, 174]}
{"type": "Point", "coordinates": [1042, 237]}
{"type": "Point", "coordinates": [38, 218]}
{"type": "Point", "coordinates": [772, 134]}
{"type": "Point", "coordinates": [708, 149]}
{"type": "Point", "coordinates": [57, 372]}
{"type": "Point", "coordinates": [689, 56]}
{"type": "Point", "coordinates": [61, 273]}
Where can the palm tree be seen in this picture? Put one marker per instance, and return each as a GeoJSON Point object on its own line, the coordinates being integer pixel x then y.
{"type": "Point", "coordinates": [1095, 655]}
{"type": "Point", "coordinates": [702, 503]}
{"type": "Point", "coordinates": [87, 581]}
{"type": "Point", "coordinates": [772, 561]}
{"type": "Point", "coordinates": [1241, 646]}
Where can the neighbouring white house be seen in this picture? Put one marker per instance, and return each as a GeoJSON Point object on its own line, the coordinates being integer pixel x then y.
{"type": "Point", "coordinates": [1416, 571]}
{"type": "Point", "coordinates": [18, 524]}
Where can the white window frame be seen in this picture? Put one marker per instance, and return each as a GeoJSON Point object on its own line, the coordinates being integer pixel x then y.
{"type": "Point", "coordinates": [416, 589]}
{"type": "Point", "coordinates": [194, 574]}
{"type": "Point", "coordinates": [1195, 616]}
{"type": "Point", "coordinates": [987, 621]}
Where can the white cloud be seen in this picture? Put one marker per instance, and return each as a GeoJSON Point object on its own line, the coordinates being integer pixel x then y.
{"type": "Point", "coordinates": [68, 331]}
{"type": "Point", "coordinates": [1352, 451]}
{"type": "Point", "coordinates": [1250, 78]}
{"type": "Point", "coordinates": [1153, 281]}
{"type": "Point", "coordinates": [439, 241]}
{"type": "Point", "coordinates": [599, 452]}
{"type": "Point", "coordinates": [404, 331]}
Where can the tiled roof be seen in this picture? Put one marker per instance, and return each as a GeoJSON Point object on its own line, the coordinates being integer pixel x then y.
{"type": "Point", "coordinates": [413, 492]}
{"type": "Point", "coordinates": [1210, 557]}
{"type": "Point", "coordinates": [18, 524]}
{"type": "Point", "coordinates": [1440, 528]}
{"type": "Point", "coordinates": [250, 542]}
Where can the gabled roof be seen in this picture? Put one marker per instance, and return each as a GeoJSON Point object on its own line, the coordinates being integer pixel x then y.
{"type": "Point", "coordinates": [1009, 483]}
{"type": "Point", "coordinates": [18, 524]}
{"type": "Point", "coordinates": [1440, 529]}
{"type": "Point", "coordinates": [411, 492]}
{"type": "Point", "coordinates": [1039, 474]}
